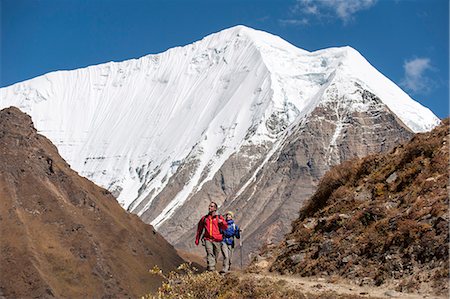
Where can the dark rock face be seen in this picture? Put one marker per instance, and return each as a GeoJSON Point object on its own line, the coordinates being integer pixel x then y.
{"type": "Point", "coordinates": [380, 219]}
{"type": "Point", "coordinates": [61, 235]}
{"type": "Point", "coordinates": [267, 199]}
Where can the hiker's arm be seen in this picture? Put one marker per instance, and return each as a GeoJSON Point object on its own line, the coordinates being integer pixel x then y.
{"type": "Point", "coordinates": [223, 225]}
{"type": "Point", "coordinates": [237, 233]}
{"type": "Point", "coordinates": [199, 231]}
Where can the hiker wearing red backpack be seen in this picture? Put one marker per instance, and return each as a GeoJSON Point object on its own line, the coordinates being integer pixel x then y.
{"type": "Point", "coordinates": [208, 229]}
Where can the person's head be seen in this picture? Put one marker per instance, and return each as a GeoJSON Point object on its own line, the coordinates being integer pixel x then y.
{"type": "Point", "coordinates": [229, 215]}
{"type": "Point", "coordinates": [212, 208]}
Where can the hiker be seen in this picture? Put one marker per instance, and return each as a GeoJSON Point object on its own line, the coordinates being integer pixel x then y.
{"type": "Point", "coordinates": [228, 241]}
{"type": "Point", "coordinates": [210, 226]}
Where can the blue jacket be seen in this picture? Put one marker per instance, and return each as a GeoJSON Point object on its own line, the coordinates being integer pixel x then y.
{"type": "Point", "coordinates": [230, 233]}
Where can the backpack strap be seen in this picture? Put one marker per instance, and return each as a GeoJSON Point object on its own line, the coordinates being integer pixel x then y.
{"type": "Point", "coordinates": [204, 220]}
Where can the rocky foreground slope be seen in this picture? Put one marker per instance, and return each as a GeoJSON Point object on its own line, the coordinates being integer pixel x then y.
{"type": "Point", "coordinates": [61, 235]}
{"type": "Point", "coordinates": [379, 220]}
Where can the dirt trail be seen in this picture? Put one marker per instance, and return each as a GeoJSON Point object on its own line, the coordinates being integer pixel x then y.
{"type": "Point", "coordinates": [318, 286]}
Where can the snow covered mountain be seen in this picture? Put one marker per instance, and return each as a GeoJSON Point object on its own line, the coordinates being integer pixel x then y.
{"type": "Point", "coordinates": [161, 130]}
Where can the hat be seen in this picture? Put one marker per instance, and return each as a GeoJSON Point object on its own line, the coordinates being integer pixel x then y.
{"type": "Point", "coordinates": [230, 213]}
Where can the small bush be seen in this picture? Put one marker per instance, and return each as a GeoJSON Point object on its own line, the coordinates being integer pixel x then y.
{"type": "Point", "coordinates": [187, 283]}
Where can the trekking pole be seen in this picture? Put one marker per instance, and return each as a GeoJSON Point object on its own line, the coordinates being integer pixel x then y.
{"type": "Point", "coordinates": [240, 245]}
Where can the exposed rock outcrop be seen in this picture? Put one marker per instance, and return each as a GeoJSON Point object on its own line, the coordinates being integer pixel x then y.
{"type": "Point", "coordinates": [383, 219]}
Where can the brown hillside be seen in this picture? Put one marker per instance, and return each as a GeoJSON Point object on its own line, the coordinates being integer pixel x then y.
{"type": "Point", "coordinates": [379, 220]}
{"type": "Point", "coordinates": [61, 235]}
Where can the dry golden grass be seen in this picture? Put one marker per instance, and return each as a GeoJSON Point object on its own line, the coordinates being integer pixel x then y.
{"type": "Point", "coordinates": [187, 283]}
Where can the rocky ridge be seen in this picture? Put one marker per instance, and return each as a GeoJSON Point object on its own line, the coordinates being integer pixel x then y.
{"type": "Point", "coordinates": [61, 236]}
{"type": "Point", "coordinates": [380, 220]}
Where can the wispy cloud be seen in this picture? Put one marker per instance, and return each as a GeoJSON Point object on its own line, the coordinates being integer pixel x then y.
{"type": "Point", "coordinates": [294, 22]}
{"type": "Point", "coordinates": [415, 78]}
{"type": "Point", "coordinates": [344, 10]}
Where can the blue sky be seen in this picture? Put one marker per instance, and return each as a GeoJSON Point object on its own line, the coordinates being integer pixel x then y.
{"type": "Point", "coordinates": [407, 40]}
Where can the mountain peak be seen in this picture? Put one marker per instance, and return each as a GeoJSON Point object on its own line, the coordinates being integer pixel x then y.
{"type": "Point", "coordinates": [239, 29]}
{"type": "Point", "coordinates": [259, 38]}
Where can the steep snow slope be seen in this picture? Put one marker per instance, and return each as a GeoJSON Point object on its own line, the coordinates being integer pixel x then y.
{"type": "Point", "coordinates": [129, 126]}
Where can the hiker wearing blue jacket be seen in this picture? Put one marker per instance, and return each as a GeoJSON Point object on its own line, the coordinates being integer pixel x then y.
{"type": "Point", "coordinates": [229, 234]}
